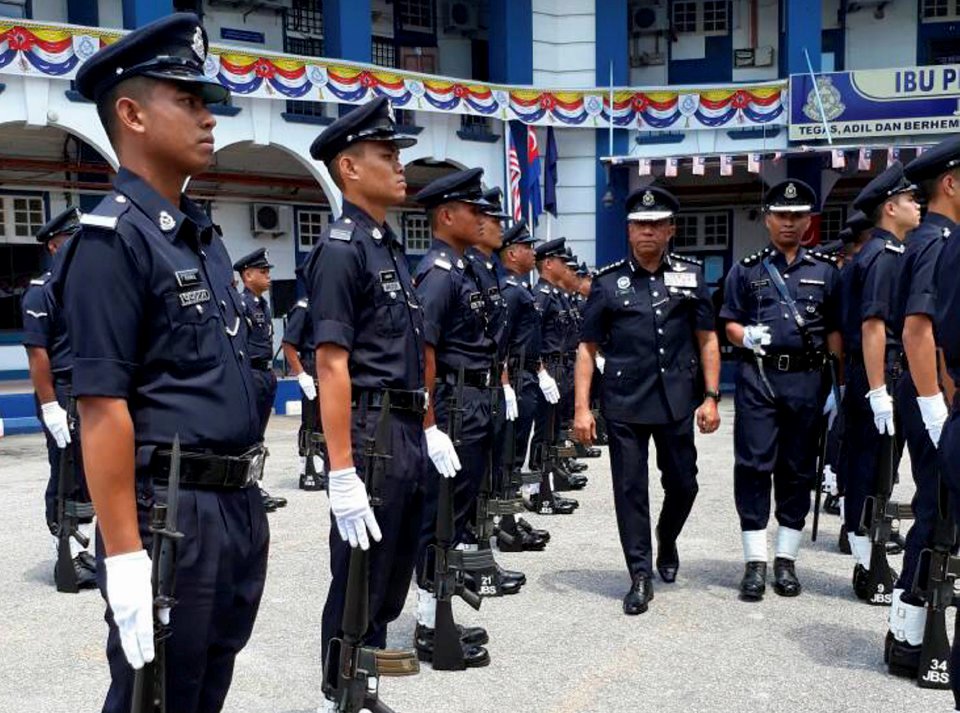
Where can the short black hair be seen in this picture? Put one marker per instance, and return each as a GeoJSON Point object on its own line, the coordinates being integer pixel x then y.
{"type": "Point", "coordinates": [334, 166]}
{"type": "Point", "coordinates": [137, 88]}
{"type": "Point", "coordinates": [928, 186]}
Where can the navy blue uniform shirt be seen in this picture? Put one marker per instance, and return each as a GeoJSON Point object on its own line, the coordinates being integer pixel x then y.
{"type": "Point", "coordinates": [553, 333]}
{"type": "Point", "coordinates": [812, 280]}
{"type": "Point", "coordinates": [299, 332]}
{"type": "Point", "coordinates": [484, 270]}
{"type": "Point", "coordinates": [44, 325]}
{"type": "Point", "coordinates": [523, 318]}
{"type": "Point", "coordinates": [948, 304]}
{"type": "Point", "coordinates": [153, 319]}
{"type": "Point", "coordinates": [259, 324]}
{"type": "Point", "coordinates": [454, 311]}
{"type": "Point", "coordinates": [869, 289]}
{"type": "Point", "coordinates": [362, 300]}
{"type": "Point", "coordinates": [916, 289]}
{"type": "Point", "coordinates": [572, 321]}
{"type": "Point", "coordinates": [645, 323]}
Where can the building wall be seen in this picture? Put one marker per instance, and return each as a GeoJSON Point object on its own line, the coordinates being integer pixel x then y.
{"type": "Point", "coordinates": [563, 43]}
{"type": "Point", "coordinates": [575, 193]}
{"type": "Point", "coordinates": [768, 34]}
{"type": "Point", "coordinates": [267, 22]}
{"type": "Point", "coordinates": [887, 42]}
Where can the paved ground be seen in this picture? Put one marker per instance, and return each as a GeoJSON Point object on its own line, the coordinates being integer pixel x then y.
{"type": "Point", "coordinates": [561, 646]}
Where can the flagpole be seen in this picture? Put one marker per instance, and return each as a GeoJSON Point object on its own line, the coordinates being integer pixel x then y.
{"type": "Point", "coordinates": [816, 93]}
{"type": "Point", "coordinates": [610, 139]}
{"type": "Point", "coordinates": [506, 167]}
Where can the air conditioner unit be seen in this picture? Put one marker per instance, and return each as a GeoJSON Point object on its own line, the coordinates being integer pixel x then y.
{"type": "Point", "coordinates": [461, 17]}
{"type": "Point", "coordinates": [266, 219]}
{"type": "Point", "coordinates": [647, 18]}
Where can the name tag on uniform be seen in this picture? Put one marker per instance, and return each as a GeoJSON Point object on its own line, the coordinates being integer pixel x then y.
{"type": "Point", "coordinates": [186, 278]}
{"type": "Point", "coordinates": [680, 279]}
{"type": "Point", "coordinates": [475, 300]}
{"type": "Point", "coordinates": [812, 282]}
{"type": "Point", "coordinates": [388, 281]}
{"type": "Point", "coordinates": [194, 297]}
{"type": "Point", "coordinates": [494, 294]}
{"type": "Point", "coordinates": [757, 284]}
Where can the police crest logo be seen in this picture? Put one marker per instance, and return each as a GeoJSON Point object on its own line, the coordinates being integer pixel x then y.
{"type": "Point", "coordinates": [197, 44]}
{"type": "Point", "coordinates": [166, 221]}
{"type": "Point", "coordinates": [790, 192]}
{"type": "Point", "coordinates": [648, 199]}
{"type": "Point", "coordinates": [623, 282]}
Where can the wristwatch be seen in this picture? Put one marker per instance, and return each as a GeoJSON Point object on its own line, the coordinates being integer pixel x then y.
{"type": "Point", "coordinates": [715, 395]}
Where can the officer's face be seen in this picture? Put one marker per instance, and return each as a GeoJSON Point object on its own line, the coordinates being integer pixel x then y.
{"type": "Point", "coordinates": [649, 238]}
{"type": "Point", "coordinates": [492, 237]}
{"type": "Point", "coordinates": [787, 228]}
{"type": "Point", "coordinates": [178, 127]}
{"type": "Point", "coordinates": [376, 173]}
{"type": "Point", "coordinates": [258, 278]}
{"type": "Point", "coordinates": [523, 255]}
{"type": "Point", "coordinates": [464, 222]}
{"type": "Point", "coordinates": [55, 243]}
{"type": "Point", "coordinates": [904, 210]}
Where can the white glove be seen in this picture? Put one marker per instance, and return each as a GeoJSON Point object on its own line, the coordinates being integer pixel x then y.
{"type": "Point", "coordinates": [882, 406]}
{"type": "Point", "coordinates": [130, 595]}
{"type": "Point", "coordinates": [933, 410]}
{"type": "Point", "coordinates": [55, 419]}
{"type": "Point", "coordinates": [551, 392]}
{"type": "Point", "coordinates": [307, 386]}
{"type": "Point", "coordinates": [351, 508]}
{"type": "Point", "coordinates": [831, 406]}
{"type": "Point", "coordinates": [756, 337]}
{"type": "Point", "coordinates": [511, 409]}
{"type": "Point", "coordinates": [600, 362]}
{"type": "Point", "coordinates": [442, 452]}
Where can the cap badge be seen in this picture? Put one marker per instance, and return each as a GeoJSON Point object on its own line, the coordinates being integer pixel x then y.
{"type": "Point", "coordinates": [390, 112]}
{"type": "Point", "coordinates": [197, 44]}
{"type": "Point", "coordinates": [648, 199]}
{"type": "Point", "coordinates": [790, 192]}
{"type": "Point", "coordinates": [266, 254]}
{"type": "Point", "coordinates": [623, 282]}
{"type": "Point", "coordinates": [166, 221]}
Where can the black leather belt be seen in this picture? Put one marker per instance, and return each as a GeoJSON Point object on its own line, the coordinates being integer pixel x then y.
{"type": "Point", "coordinates": [554, 358]}
{"type": "Point", "coordinates": [794, 361]}
{"type": "Point", "coordinates": [262, 364]}
{"type": "Point", "coordinates": [532, 365]}
{"type": "Point", "coordinates": [206, 470]}
{"type": "Point", "coordinates": [402, 400]}
{"type": "Point", "coordinates": [476, 378]}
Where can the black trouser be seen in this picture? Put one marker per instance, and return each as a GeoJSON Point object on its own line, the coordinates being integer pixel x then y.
{"type": "Point", "coordinates": [221, 569]}
{"type": "Point", "coordinates": [399, 515]}
{"type": "Point", "coordinates": [63, 389]}
{"type": "Point", "coordinates": [775, 435]}
{"type": "Point", "coordinates": [677, 461]}
{"type": "Point", "coordinates": [266, 383]}
{"type": "Point", "coordinates": [554, 367]}
{"type": "Point", "coordinates": [527, 400]}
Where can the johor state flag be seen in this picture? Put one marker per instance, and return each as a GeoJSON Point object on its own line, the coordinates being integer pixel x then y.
{"type": "Point", "coordinates": [533, 174]}
{"type": "Point", "coordinates": [550, 175]}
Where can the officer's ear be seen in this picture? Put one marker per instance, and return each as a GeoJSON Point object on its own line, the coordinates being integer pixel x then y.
{"type": "Point", "coordinates": [347, 165]}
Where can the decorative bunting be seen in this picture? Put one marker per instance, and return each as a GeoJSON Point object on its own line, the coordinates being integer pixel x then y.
{"type": "Point", "coordinates": [753, 163]}
{"type": "Point", "coordinates": [644, 167]}
{"type": "Point", "coordinates": [864, 160]}
{"type": "Point", "coordinates": [699, 165]}
{"type": "Point", "coordinates": [726, 165]}
{"type": "Point", "coordinates": [838, 159]}
{"type": "Point", "coordinates": [893, 154]}
{"type": "Point", "coordinates": [670, 169]}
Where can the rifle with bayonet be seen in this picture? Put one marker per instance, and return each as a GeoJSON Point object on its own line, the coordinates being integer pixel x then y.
{"type": "Point", "coordinates": [555, 450]}
{"type": "Point", "coordinates": [824, 435]}
{"type": "Point", "coordinates": [352, 671]}
{"type": "Point", "coordinates": [69, 511]}
{"type": "Point", "coordinates": [450, 564]}
{"type": "Point", "coordinates": [150, 682]}
{"type": "Point", "coordinates": [880, 515]}
{"type": "Point", "coordinates": [311, 441]}
{"type": "Point", "coordinates": [937, 571]}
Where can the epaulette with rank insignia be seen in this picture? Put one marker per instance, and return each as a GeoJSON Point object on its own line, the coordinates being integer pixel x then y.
{"type": "Point", "coordinates": [40, 281]}
{"type": "Point", "coordinates": [545, 289]}
{"type": "Point", "coordinates": [443, 264]}
{"type": "Point", "coordinates": [606, 269]}
{"type": "Point", "coordinates": [823, 257]}
{"type": "Point", "coordinates": [342, 230]}
{"type": "Point", "coordinates": [302, 303]}
{"type": "Point", "coordinates": [107, 213]}
{"type": "Point", "coordinates": [894, 247]}
{"type": "Point", "coordinates": [686, 258]}
{"type": "Point", "coordinates": [755, 257]}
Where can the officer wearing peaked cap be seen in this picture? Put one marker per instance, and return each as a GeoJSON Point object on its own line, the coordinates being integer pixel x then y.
{"type": "Point", "coordinates": [51, 366]}
{"type": "Point", "coordinates": [368, 332]}
{"type": "Point", "coordinates": [919, 399]}
{"type": "Point", "coordinates": [162, 352]}
{"type": "Point", "coordinates": [873, 352]}
{"type": "Point", "coordinates": [653, 316]}
{"type": "Point", "coordinates": [782, 307]}
{"type": "Point", "coordinates": [254, 270]}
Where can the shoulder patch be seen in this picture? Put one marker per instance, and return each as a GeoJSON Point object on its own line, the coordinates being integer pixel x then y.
{"type": "Point", "coordinates": [823, 257]}
{"type": "Point", "coordinates": [302, 303]}
{"type": "Point", "coordinates": [686, 258]}
{"type": "Point", "coordinates": [344, 234]}
{"type": "Point", "coordinates": [41, 280]}
{"type": "Point", "coordinates": [92, 220]}
{"type": "Point", "coordinates": [545, 289]}
{"type": "Point", "coordinates": [894, 247]}
{"type": "Point", "coordinates": [606, 269]}
{"type": "Point", "coordinates": [443, 264]}
{"type": "Point", "coordinates": [755, 257]}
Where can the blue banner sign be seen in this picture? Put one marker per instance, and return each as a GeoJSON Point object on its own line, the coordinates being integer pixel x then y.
{"type": "Point", "coordinates": [875, 102]}
{"type": "Point", "coordinates": [230, 33]}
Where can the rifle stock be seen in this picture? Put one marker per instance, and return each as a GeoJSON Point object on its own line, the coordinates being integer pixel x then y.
{"type": "Point", "coordinates": [69, 511]}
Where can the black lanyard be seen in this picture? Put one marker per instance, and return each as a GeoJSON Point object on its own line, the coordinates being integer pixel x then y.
{"type": "Point", "coordinates": [788, 300]}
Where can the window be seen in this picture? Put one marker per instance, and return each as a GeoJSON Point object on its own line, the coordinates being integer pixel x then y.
{"type": "Point", "coordinates": [415, 14]}
{"type": "Point", "coordinates": [702, 231]}
{"type": "Point", "coordinates": [475, 124]}
{"type": "Point", "coordinates": [831, 223]}
{"type": "Point", "coordinates": [685, 16]}
{"type": "Point", "coordinates": [13, 8]}
{"type": "Point", "coordinates": [27, 217]}
{"type": "Point", "coordinates": [416, 233]}
{"type": "Point", "coordinates": [305, 46]}
{"type": "Point", "coordinates": [310, 224]}
{"type": "Point", "coordinates": [715, 16]}
{"type": "Point", "coordinates": [306, 16]}
{"type": "Point", "coordinates": [383, 52]}
{"type": "Point", "coordinates": [936, 9]}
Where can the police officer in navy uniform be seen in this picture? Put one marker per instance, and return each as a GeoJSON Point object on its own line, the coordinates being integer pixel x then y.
{"type": "Point", "coordinates": [782, 310]}
{"type": "Point", "coordinates": [160, 350]}
{"type": "Point", "coordinates": [919, 398]}
{"type": "Point", "coordinates": [300, 353]}
{"type": "Point", "coordinates": [51, 366]}
{"type": "Point", "coordinates": [368, 331]}
{"type": "Point", "coordinates": [874, 350]}
{"type": "Point", "coordinates": [254, 270]}
{"type": "Point", "coordinates": [651, 313]}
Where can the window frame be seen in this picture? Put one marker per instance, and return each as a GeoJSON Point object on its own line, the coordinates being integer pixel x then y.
{"type": "Point", "coordinates": [386, 43]}
{"type": "Point", "coordinates": [698, 8]}
{"type": "Point", "coordinates": [700, 219]}
{"type": "Point", "coordinates": [401, 22]}
{"type": "Point", "coordinates": [325, 217]}
{"type": "Point", "coordinates": [829, 215]}
{"type": "Point", "coordinates": [427, 237]}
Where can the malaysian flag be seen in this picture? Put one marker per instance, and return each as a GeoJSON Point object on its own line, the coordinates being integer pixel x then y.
{"type": "Point", "coordinates": [670, 169]}
{"type": "Point", "coordinates": [726, 165]}
{"type": "Point", "coordinates": [838, 159]}
{"type": "Point", "coordinates": [864, 160]}
{"type": "Point", "coordinates": [753, 163]}
{"type": "Point", "coordinates": [514, 174]}
{"type": "Point", "coordinates": [893, 154]}
{"type": "Point", "coordinates": [533, 175]}
{"type": "Point", "coordinates": [699, 166]}
{"type": "Point", "coordinates": [644, 167]}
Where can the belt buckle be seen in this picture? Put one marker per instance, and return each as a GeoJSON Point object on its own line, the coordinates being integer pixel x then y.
{"type": "Point", "coordinates": [486, 379]}
{"type": "Point", "coordinates": [783, 362]}
{"type": "Point", "coordinates": [255, 467]}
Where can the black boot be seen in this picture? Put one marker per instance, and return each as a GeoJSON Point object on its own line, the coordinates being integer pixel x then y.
{"type": "Point", "coordinates": [901, 658]}
{"type": "Point", "coordinates": [843, 542]}
{"type": "Point", "coordinates": [474, 655]}
{"type": "Point", "coordinates": [785, 582]}
{"type": "Point", "coordinates": [668, 560]}
{"type": "Point", "coordinates": [525, 526]}
{"type": "Point", "coordinates": [638, 599]}
{"type": "Point", "coordinates": [312, 482]}
{"type": "Point", "coordinates": [861, 582]}
{"type": "Point", "coordinates": [85, 574]}
{"type": "Point", "coordinates": [831, 504]}
{"type": "Point", "coordinates": [754, 582]}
